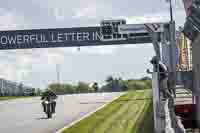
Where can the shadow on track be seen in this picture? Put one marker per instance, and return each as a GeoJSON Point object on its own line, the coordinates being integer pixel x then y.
{"type": "Point", "coordinates": [42, 118]}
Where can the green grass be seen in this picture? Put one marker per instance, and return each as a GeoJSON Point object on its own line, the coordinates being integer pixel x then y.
{"type": "Point", "coordinates": [131, 113]}
{"type": "Point", "coordinates": [3, 98]}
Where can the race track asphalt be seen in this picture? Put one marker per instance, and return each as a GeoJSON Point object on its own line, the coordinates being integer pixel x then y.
{"type": "Point", "coordinates": [26, 115]}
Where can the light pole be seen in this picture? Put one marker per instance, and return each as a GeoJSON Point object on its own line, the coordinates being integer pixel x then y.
{"type": "Point", "coordinates": [172, 50]}
{"type": "Point", "coordinates": [171, 10]}
{"type": "Point", "coordinates": [58, 73]}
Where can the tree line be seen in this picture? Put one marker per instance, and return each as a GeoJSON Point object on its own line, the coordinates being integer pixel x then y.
{"type": "Point", "coordinates": [112, 84]}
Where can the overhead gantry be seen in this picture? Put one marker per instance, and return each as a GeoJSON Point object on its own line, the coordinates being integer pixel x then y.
{"type": "Point", "coordinates": [110, 32]}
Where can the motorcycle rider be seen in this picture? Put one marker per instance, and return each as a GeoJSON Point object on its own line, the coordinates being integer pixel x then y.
{"type": "Point", "coordinates": [49, 95]}
{"type": "Point", "coordinates": [158, 65]}
{"type": "Point", "coordinates": [163, 75]}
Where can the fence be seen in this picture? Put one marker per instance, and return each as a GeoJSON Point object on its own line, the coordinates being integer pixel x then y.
{"type": "Point", "coordinates": [173, 123]}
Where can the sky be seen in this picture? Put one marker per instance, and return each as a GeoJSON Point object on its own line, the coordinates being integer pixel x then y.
{"type": "Point", "coordinates": [37, 67]}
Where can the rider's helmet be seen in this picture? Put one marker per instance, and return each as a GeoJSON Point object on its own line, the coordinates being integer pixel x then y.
{"type": "Point", "coordinates": [154, 60]}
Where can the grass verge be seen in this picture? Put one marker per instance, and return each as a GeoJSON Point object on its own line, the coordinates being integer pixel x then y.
{"type": "Point", "coordinates": [131, 113]}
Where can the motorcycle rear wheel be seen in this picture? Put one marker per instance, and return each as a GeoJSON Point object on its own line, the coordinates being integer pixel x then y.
{"type": "Point", "coordinates": [49, 115]}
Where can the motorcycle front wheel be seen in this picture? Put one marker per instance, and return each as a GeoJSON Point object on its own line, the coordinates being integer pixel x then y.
{"type": "Point", "coordinates": [49, 115]}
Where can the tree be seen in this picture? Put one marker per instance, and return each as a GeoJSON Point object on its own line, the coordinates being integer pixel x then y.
{"type": "Point", "coordinates": [139, 85]}
{"type": "Point", "coordinates": [95, 87]}
{"type": "Point", "coordinates": [69, 89]}
{"type": "Point", "coordinates": [123, 85]}
{"type": "Point", "coordinates": [109, 84]}
{"type": "Point", "coordinates": [21, 89]}
{"type": "Point", "coordinates": [82, 87]}
{"type": "Point", "coordinates": [33, 92]}
{"type": "Point", "coordinates": [38, 92]}
{"type": "Point", "coordinates": [109, 79]}
{"type": "Point", "coordinates": [145, 78]}
{"type": "Point", "coordinates": [57, 88]}
{"type": "Point", "coordinates": [148, 84]}
{"type": "Point", "coordinates": [112, 84]}
{"type": "Point", "coordinates": [130, 84]}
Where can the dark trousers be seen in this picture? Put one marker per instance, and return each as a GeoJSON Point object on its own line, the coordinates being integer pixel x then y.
{"type": "Point", "coordinates": [53, 106]}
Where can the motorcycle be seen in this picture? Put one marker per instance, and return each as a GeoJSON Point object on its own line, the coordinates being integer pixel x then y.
{"type": "Point", "coordinates": [49, 107]}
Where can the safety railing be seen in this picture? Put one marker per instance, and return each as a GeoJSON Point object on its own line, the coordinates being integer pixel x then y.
{"type": "Point", "coordinates": [173, 123]}
{"type": "Point", "coordinates": [164, 106]}
{"type": "Point", "coordinates": [168, 120]}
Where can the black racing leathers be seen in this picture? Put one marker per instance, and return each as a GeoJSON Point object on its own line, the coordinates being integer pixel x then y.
{"type": "Point", "coordinates": [49, 96]}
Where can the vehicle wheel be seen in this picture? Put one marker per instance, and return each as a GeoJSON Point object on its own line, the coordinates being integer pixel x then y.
{"type": "Point", "coordinates": [49, 115]}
